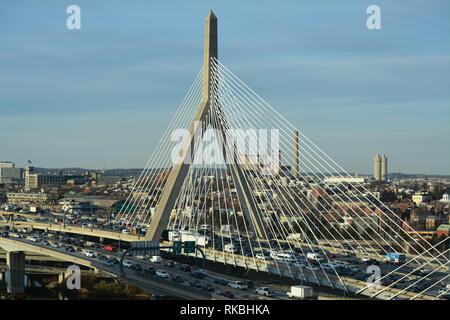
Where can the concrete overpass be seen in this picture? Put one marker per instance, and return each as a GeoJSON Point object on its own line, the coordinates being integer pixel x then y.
{"type": "Point", "coordinates": [15, 266]}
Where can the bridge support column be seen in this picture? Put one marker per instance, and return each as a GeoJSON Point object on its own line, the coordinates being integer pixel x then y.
{"type": "Point", "coordinates": [15, 272]}
{"type": "Point", "coordinates": [61, 278]}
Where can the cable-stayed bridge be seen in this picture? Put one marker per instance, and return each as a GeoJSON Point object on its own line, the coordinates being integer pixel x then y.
{"type": "Point", "coordinates": [235, 175]}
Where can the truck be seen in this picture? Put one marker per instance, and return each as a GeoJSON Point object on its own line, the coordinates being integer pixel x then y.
{"type": "Point", "coordinates": [230, 248]}
{"type": "Point", "coordinates": [200, 240]}
{"type": "Point", "coordinates": [184, 235]}
{"type": "Point", "coordinates": [300, 292]}
{"type": "Point", "coordinates": [314, 256]}
{"type": "Point", "coordinates": [397, 258]}
{"type": "Point", "coordinates": [155, 259]}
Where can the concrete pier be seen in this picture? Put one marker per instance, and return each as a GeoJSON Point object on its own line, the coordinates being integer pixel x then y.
{"type": "Point", "coordinates": [15, 274]}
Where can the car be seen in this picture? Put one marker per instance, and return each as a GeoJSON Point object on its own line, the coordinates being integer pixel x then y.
{"type": "Point", "coordinates": [90, 254]}
{"type": "Point", "coordinates": [177, 279]}
{"type": "Point", "coordinates": [237, 285]}
{"type": "Point", "coordinates": [163, 274]}
{"type": "Point", "coordinates": [197, 274]}
{"type": "Point", "coordinates": [444, 291]}
{"type": "Point", "coordinates": [221, 281]}
{"type": "Point", "coordinates": [184, 267]}
{"type": "Point", "coordinates": [168, 264]}
{"type": "Point", "coordinates": [195, 284]}
{"type": "Point", "coordinates": [207, 287]}
{"type": "Point", "coordinates": [262, 256]}
{"type": "Point", "coordinates": [228, 294]}
{"type": "Point", "coordinates": [365, 259]}
{"type": "Point", "coordinates": [127, 264]}
{"type": "Point", "coordinates": [34, 238]}
{"type": "Point", "coordinates": [109, 248]}
{"type": "Point", "coordinates": [110, 262]}
{"type": "Point", "coordinates": [5, 234]}
{"type": "Point", "coordinates": [138, 268]}
{"type": "Point", "coordinates": [16, 235]}
{"type": "Point", "coordinates": [55, 244]}
{"type": "Point", "coordinates": [69, 249]}
{"type": "Point", "coordinates": [265, 291]}
{"type": "Point", "coordinates": [149, 270]}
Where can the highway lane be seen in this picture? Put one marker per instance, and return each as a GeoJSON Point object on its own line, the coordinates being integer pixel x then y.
{"type": "Point", "coordinates": [361, 267]}
{"type": "Point", "coordinates": [149, 281]}
{"type": "Point", "coordinates": [150, 284]}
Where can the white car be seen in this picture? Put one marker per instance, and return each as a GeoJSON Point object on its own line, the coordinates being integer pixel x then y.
{"type": "Point", "coordinates": [264, 291]}
{"type": "Point", "coordinates": [237, 285]}
{"type": "Point", "coordinates": [162, 274]}
{"type": "Point", "coordinates": [16, 235]}
{"type": "Point", "coordinates": [34, 238]}
{"type": "Point", "coordinates": [127, 264]}
{"type": "Point", "coordinates": [262, 256]}
{"type": "Point", "coordinates": [90, 254]}
{"type": "Point", "coordinates": [126, 231]}
{"type": "Point", "coordinates": [365, 259]}
{"type": "Point", "coordinates": [444, 291]}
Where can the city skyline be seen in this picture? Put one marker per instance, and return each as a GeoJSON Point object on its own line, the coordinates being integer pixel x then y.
{"type": "Point", "coordinates": [386, 92]}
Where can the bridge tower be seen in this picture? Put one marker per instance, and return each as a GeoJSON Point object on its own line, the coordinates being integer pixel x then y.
{"type": "Point", "coordinates": [179, 171]}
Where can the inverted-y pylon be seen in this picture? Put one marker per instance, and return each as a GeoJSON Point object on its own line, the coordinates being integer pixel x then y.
{"type": "Point", "coordinates": [200, 122]}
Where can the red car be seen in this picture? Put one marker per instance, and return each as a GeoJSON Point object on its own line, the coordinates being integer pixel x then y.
{"type": "Point", "coordinates": [109, 248]}
{"type": "Point", "coordinates": [330, 255]}
{"type": "Point", "coordinates": [313, 262]}
{"type": "Point", "coordinates": [228, 294]}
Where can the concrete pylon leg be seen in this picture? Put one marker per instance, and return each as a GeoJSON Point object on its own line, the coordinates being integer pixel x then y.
{"type": "Point", "coordinates": [15, 270]}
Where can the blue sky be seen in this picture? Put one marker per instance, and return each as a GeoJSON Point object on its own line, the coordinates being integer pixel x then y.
{"type": "Point", "coordinates": [103, 95]}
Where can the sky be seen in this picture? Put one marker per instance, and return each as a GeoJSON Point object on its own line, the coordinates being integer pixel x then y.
{"type": "Point", "coordinates": [102, 96]}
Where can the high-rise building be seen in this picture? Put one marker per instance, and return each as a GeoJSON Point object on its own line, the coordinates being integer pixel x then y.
{"type": "Point", "coordinates": [31, 179]}
{"type": "Point", "coordinates": [6, 164]}
{"type": "Point", "coordinates": [380, 168]}
{"type": "Point", "coordinates": [377, 167]}
{"type": "Point", "coordinates": [383, 168]}
{"type": "Point", "coordinates": [11, 174]}
{"type": "Point", "coordinates": [296, 164]}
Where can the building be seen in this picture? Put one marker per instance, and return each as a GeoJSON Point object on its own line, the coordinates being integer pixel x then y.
{"type": "Point", "coordinates": [35, 180]}
{"type": "Point", "coordinates": [380, 168]}
{"type": "Point", "coordinates": [11, 174]}
{"type": "Point", "coordinates": [377, 167]}
{"type": "Point", "coordinates": [420, 197]}
{"type": "Point", "coordinates": [6, 164]}
{"type": "Point", "coordinates": [348, 180]}
{"type": "Point", "coordinates": [445, 198]}
{"type": "Point", "coordinates": [384, 171]}
{"type": "Point", "coordinates": [31, 179]}
{"type": "Point", "coordinates": [443, 230]}
{"type": "Point", "coordinates": [29, 197]}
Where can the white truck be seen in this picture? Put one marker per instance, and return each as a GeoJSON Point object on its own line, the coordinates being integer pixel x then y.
{"type": "Point", "coordinates": [155, 259]}
{"type": "Point", "coordinates": [300, 292]}
{"type": "Point", "coordinates": [230, 248]}
{"type": "Point", "coordinates": [184, 235]}
{"type": "Point", "coordinates": [314, 256]}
